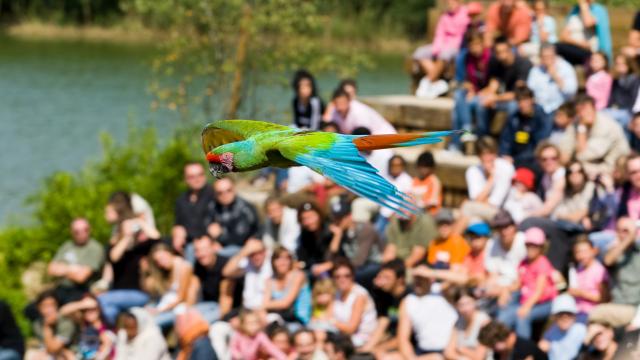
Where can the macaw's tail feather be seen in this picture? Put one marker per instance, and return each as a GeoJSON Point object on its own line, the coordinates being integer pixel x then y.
{"type": "Point", "coordinates": [377, 142]}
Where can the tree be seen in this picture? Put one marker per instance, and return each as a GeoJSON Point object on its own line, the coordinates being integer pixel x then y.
{"type": "Point", "coordinates": [218, 50]}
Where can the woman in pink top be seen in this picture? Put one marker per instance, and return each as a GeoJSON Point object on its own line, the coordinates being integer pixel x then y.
{"type": "Point", "coordinates": [599, 83]}
{"type": "Point", "coordinates": [536, 287]}
{"type": "Point", "coordinates": [589, 283]}
{"type": "Point", "coordinates": [447, 40]}
{"type": "Point", "coordinates": [250, 341]}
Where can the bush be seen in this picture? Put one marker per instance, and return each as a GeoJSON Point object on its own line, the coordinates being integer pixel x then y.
{"type": "Point", "coordinates": [141, 164]}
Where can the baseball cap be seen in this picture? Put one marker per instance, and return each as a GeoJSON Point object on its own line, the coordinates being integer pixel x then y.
{"type": "Point", "coordinates": [478, 229]}
{"type": "Point", "coordinates": [339, 207]}
{"type": "Point", "coordinates": [564, 303]}
{"type": "Point", "coordinates": [474, 8]}
{"type": "Point", "coordinates": [444, 216]}
{"type": "Point", "coordinates": [526, 177]}
{"type": "Point", "coordinates": [503, 218]}
{"type": "Point", "coordinates": [534, 236]}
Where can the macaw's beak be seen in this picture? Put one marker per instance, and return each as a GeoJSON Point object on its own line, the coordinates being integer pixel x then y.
{"type": "Point", "coordinates": [216, 169]}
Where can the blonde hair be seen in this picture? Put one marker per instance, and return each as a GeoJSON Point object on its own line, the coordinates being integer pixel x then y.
{"type": "Point", "coordinates": [324, 286]}
{"type": "Point", "coordinates": [157, 280]}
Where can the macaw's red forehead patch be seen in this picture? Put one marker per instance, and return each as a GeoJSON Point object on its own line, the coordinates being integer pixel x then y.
{"type": "Point", "coordinates": [213, 158]}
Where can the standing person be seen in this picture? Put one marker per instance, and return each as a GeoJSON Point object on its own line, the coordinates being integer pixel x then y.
{"type": "Point", "coordinates": [77, 263]}
{"type": "Point", "coordinates": [432, 58]}
{"type": "Point", "coordinates": [354, 312]}
{"type": "Point", "coordinates": [510, 19]}
{"type": "Point", "coordinates": [426, 185]}
{"type": "Point", "coordinates": [505, 344]}
{"type": "Point", "coordinates": [553, 81]}
{"type": "Point", "coordinates": [192, 215]}
{"type": "Point", "coordinates": [599, 81]}
{"type": "Point", "coordinates": [11, 340]}
{"type": "Point", "coordinates": [235, 220]}
{"type": "Point", "coordinates": [464, 339]}
{"type": "Point", "coordinates": [586, 31]}
{"type": "Point", "coordinates": [427, 317]}
{"type": "Point", "coordinates": [535, 288]}
{"type": "Point", "coordinates": [308, 107]}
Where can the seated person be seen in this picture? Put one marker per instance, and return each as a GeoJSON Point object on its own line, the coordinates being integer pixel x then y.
{"type": "Point", "coordinates": [632, 49]}
{"type": "Point", "coordinates": [510, 19]}
{"type": "Point", "coordinates": [314, 251]}
{"type": "Point", "coordinates": [351, 114]}
{"type": "Point", "coordinates": [250, 340]}
{"type": "Point", "coordinates": [572, 212]}
{"type": "Point", "coordinates": [77, 263]}
{"type": "Point", "coordinates": [170, 281]}
{"type": "Point", "coordinates": [590, 283]}
{"type": "Point", "coordinates": [505, 344]}
{"type": "Point", "coordinates": [217, 291]}
{"type": "Point", "coordinates": [191, 210]}
{"type": "Point", "coordinates": [586, 31]}
{"type": "Point", "coordinates": [464, 338]}
{"type": "Point", "coordinates": [398, 177]}
{"type": "Point", "coordinates": [599, 81]}
{"type": "Point", "coordinates": [356, 240]}
{"type": "Point", "coordinates": [634, 128]}
{"type": "Point", "coordinates": [139, 337]}
{"type": "Point", "coordinates": [488, 182]}
{"type": "Point", "coordinates": [553, 81]}
{"type": "Point", "coordinates": [552, 183]}
{"type": "Point", "coordinates": [523, 131]}
{"type": "Point", "coordinates": [506, 71]}
{"type": "Point", "coordinates": [562, 119]}
{"type": "Point", "coordinates": [600, 343]}
{"type": "Point", "coordinates": [543, 31]}
{"type": "Point", "coordinates": [55, 332]}
{"type": "Point", "coordinates": [448, 249]}
{"type": "Point", "coordinates": [287, 292]}
{"type": "Point", "coordinates": [596, 140]}
{"type": "Point", "coordinates": [281, 225]}
{"type": "Point", "coordinates": [131, 243]}
{"type": "Point", "coordinates": [235, 220]}
{"type": "Point", "coordinates": [564, 338]}
{"type": "Point", "coordinates": [426, 186]}
{"type": "Point", "coordinates": [96, 340]}
{"type": "Point", "coordinates": [473, 265]}
{"type": "Point", "coordinates": [306, 346]}
{"type": "Point", "coordinates": [522, 202]}
{"type": "Point", "coordinates": [354, 312]}
{"type": "Point", "coordinates": [11, 340]}
{"type": "Point", "coordinates": [624, 91]}
{"type": "Point", "coordinates": [408, 238]}
{"type": "Point", "coordinates": [192, 331]}
{"type": "Point", "coordinates": [253, 264]}
{"type": "Point", "coordinates": [432, 58]}
{"type": "Point", "coordinates": [307, 107]}
{"type": "Point", "coordinates": [389, 288]}
{"type": "Point", "coordinates": [535, 289]}
{"type": "Point", "coordinates": [426, 317]}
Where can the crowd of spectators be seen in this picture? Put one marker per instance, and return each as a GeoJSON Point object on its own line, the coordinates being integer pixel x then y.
{"type": "Point", "coordinates": [540, 261]}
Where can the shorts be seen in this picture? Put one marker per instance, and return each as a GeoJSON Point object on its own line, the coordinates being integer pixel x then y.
{"type": "Point", "coordinates": [425, 52]}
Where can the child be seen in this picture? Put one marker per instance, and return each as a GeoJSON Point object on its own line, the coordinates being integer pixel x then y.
{"type": "Point", "coordinates": [307, 105]}
{"type": "Point", "coordinates": [624, 91]}
{"type": "Point", "coordinates": [448, 249]}
{"type": "Point", "coordinates": [536, 287]}
{"type": "Point", "coordinates": [563, 118]}
{"type": "Point", "coordinates": [426, 187]}
{"type": "Point", "coordinates": [396, 175]}
{"type": "Point", "coordinates": [564, 337]}
{"type": "Point", "coordinates": [250, 340]}
{"type": "Point", "coordinates": [96, 340]}
{"type": "Point", "coordinates": [590, 281]}
{"type": "Point", "coordinates": [280, 337]}
{"type": "Point", "coordinates": [599, 82]}
{"type": "Point", "coordinates": [522, 201]}
{"type": "Point", "coordinates": [322, 295]}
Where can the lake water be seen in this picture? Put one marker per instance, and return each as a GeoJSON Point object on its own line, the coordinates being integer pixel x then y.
{"type": "Point", "coordinates": [56, 98]}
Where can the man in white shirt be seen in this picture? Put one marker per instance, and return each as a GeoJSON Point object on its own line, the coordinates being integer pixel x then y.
{"type": "Point", "coordinates": [281, 225]}
{"type": "Point", "coordinates": [553, 81]}
{"type": "Point", "coordinates": [253, 263]}
{"type": "Point", "coordinates": [488, 182]}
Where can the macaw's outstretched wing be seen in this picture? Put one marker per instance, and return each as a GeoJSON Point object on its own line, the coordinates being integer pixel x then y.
{"type": "Point", "coordinates": [227, 131]}
{"type": "Point", "coordinates": [337, 158]}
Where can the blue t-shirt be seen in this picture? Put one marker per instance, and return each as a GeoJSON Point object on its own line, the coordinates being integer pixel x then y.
{"type": "Point", "coordinates": [565, 345]}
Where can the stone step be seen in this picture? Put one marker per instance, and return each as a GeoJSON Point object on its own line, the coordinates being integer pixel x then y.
{"type": "Point", "coordinates": [411, 113]}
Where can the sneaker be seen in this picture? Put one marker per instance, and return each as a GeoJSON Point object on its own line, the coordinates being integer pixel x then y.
{"type": "Point", "coordinates": [439, 88]}
{"type": "Point", "coordinates": [424, 88]}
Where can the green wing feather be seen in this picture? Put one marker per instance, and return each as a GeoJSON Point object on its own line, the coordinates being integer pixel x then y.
{"type": "Point", "coordinates": [227, 131]}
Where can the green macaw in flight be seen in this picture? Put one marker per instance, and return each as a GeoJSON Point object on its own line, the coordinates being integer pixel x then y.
{"type": "Point", "coordinates": [243, 145]}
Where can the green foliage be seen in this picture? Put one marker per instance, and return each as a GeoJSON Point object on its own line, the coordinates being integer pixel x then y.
{"type": "Point", "coordinates": [141, 164]}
